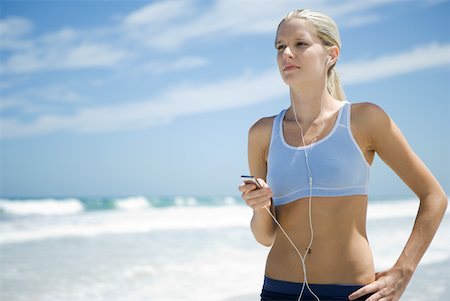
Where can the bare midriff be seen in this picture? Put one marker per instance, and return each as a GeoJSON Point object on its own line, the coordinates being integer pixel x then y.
{"type": "Point", "coordinates": [340, 252]}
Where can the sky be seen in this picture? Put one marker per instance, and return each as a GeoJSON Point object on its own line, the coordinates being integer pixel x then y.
{"type": "Point", "coordinates": [155, 98]}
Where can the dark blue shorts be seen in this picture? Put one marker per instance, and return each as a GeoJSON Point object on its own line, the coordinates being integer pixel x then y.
{"type": "Point", "coordinates": [290, 291]}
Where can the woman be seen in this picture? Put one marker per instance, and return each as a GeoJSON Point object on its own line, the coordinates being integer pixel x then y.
{"type": "Point", "coordinates": [315, 157]}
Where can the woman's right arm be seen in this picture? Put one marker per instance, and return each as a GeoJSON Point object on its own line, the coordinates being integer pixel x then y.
{"type": "Point", "coordinates": [262, 224]}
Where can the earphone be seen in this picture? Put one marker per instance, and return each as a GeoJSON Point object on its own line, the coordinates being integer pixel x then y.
{"type": "Point", "coordinates": [310, 177]}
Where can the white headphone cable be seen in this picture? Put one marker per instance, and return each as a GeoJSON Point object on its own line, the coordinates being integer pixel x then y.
{"type": "Point", "coordinates": [302, 257]}
{"type": "Point", "coordinates": [310, 176]}
{"type": "Point", "coordinates": [298, 252]}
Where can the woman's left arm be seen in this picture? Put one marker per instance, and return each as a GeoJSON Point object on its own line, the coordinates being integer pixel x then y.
{"type": "Point", "coordinates": [390, 144]}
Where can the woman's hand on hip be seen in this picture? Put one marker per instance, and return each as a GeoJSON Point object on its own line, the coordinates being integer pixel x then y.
{"type": "Point", "coordinates": [388, 286]}
{"type": "Point", "coordinates": [255, 198]}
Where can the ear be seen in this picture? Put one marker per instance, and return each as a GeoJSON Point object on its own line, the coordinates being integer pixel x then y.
{"type": "Point", "coordinates": [333, 55]}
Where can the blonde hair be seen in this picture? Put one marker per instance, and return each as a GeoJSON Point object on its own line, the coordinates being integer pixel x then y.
{"type": "Point", "coordinates": [328, 32]}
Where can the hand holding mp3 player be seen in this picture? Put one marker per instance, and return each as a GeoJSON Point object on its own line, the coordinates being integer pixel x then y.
{"type": "Point", "coordinates": [251, 180]}
{"type": "Point", "coordinates": [256, 199]}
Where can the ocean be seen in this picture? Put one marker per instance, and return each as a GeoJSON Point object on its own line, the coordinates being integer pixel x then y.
{"type": "Point", "coordinates": [172, 248]}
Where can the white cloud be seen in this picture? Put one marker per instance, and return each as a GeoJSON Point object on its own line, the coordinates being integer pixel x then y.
{"type": "Point", "coordinates": [235, 17]}
{"type": "Point", "coordinates": [9, 43]}
{"type": "Point", "coordinates": [231, 93]}
{"type": "Point", "coordinates": [60, 93]}
{"type": "Point", "coordinates": [24, 62]}
{"type": "Point", "coordinates": [87, 55]}
{"type": "Point", "coordinates": [168, 25]}
{"type": "Point", "coordinates": [346, 9]}
{"type": "Point", "coordinates": [360, 20]}
{"type": "Point", "coordinates": [5, 84]}
{"type": "Point", "coordinates": [9, 102]}
{"type": "Point", "coordinates": [159, 12]}
{"type": "Point", "coordinates": [11, 31]}
{"type": "Point", "coordinates": [99, 47]}
{"type": "Point", "coordinates": [223, 17]}
{"type": "Point", "coordinates": [63, 36]}
{"type": "Point", "coordinates": [183, 63]}
{"type": "Point", "coordinates": [65, 48]}
{"type": "Point", "coordinates": [244, 90]}
{"type": "Point", "coordinates": [91, 55]}
{"type": "Point", "coordinates": [422, 57]}
{"type": "Point", "coordinates": [162, 25]}
{"type": "Point", "coordinates": [41, 100]}
{"type": "Point", "coordinates": [15, 27]}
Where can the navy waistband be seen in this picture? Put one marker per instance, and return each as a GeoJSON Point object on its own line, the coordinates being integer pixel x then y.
{"type": "Point", "coordinates": [321, 290]}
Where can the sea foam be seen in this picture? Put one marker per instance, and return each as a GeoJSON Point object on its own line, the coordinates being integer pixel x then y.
{"type": "Point", "coordinates": [41, 207]}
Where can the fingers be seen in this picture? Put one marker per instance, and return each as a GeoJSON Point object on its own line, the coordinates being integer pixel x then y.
{"type": "Point", "coordinates": [365, 290]}
{"type": "Point", "coordinates": [260, 202]}
{"type": "Point", "coordinates": [378, 296]}
{"type": "Point", "coordinates": [246, 187]}
{"type": "Point", "coordinates": [378, 275]}
{"type": "Point", "coordinates": [256, 198]}
{"type": "Point", "coordinates": [262, 183]}
{"type": "Point", "coordinates": [377, 289]}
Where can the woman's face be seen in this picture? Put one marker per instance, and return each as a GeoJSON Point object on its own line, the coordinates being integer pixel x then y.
{"type": "Point", "coordinates": [301, 56]}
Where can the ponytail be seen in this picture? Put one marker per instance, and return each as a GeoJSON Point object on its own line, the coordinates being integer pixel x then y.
{"type": "Point", "coordinates": [334, 86]}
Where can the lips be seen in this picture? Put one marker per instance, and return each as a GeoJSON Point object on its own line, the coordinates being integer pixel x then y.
{"type": "Point", "coordinates": [290, 67]}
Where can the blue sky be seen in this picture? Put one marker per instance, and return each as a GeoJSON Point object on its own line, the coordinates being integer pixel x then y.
{"type": "Point", "coordinates": [120, 98]}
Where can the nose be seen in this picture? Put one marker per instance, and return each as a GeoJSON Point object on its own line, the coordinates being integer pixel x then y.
{"type": "Point", "coordinates": [287, 53]}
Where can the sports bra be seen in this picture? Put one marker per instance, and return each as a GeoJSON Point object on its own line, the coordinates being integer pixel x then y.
{"type": "Point", "coordinates": [337, 164]}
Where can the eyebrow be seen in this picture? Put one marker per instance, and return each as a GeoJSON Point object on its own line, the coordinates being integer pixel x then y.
{"type": "Point", "coordinates": [297, 39]}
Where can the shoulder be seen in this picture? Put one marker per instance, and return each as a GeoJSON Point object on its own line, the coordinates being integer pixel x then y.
{"type": "Point", "coordinates": [262, 126]}
{"type": "Point", "coordinates": [370, 119]}
{"type": "Point", "coordinates": [260, 133]}
{"type": "Point", "coordinates": [368, 110]}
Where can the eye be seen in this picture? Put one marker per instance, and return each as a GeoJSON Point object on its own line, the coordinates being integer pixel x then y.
{"type": "Point", "coordinates": [280, 47]}
{"type": "Point", "coordinates": [300, 44]}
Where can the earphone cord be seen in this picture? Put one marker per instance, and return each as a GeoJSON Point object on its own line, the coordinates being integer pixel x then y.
{"type": "Point", "coordinates": [302, 258]}
{"type": "Point", "coordinates": [309, 201]}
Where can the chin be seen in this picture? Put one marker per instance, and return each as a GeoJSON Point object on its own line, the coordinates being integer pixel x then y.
{"type": "Point", "coordinates": [291, 80]}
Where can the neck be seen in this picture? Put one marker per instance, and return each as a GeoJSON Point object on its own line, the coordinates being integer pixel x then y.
{"type": "Point", "coordinates": [310, 105]}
